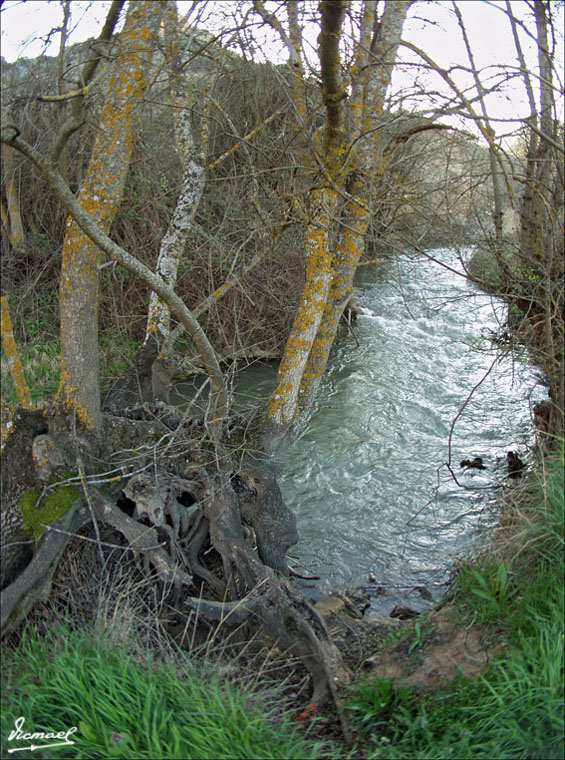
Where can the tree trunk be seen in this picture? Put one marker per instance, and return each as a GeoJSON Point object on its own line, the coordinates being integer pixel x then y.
{"type": "Point", "coordinates": [539, 290]}
{"type": "Point", "coordinates": [11, 352]}
{"type": "Point", "coordinates": [497, 178]}
{"type": "Point", "coordinates": [100, 194]}
{"type": "Point", "coordinates": [329, 273]}
{"type": "Point", "coordinates": [194, 177]}
{"type": "Point", "coordinates": [13, 218]}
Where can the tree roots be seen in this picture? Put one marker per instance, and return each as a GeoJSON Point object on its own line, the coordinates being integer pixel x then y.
{"type": "Point", "coordinates": [226, 527]}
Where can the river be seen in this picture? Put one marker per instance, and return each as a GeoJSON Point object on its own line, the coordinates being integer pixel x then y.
{"type": "Point", "coordinates": [367, 478]}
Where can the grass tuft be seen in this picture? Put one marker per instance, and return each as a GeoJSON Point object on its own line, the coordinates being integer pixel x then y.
{"type": "Point", "coordinates": [127, 708]}
{"type": "Point", "coordinates": [516, 708]}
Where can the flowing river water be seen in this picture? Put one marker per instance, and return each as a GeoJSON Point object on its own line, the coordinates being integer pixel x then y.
{"type": "Point", "coordinates": [375, 502]}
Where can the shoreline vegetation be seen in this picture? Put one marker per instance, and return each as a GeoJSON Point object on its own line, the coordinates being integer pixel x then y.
{"type": "Point", "coordinates": [58, 673]}
{"type": "Point", "coordinates": [102, 650]}
{"type": "Point", "coordinates": [207, 703]}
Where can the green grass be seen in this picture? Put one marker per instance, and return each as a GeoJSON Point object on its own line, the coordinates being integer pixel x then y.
{"type": "Point", "coordinates": [127, 709]}
{"type": "Point", "coordinates": [515, 710]}
{"type": "Point", "coordinates": [490, 589]}
{"type": "Point", "coordinates": [41, 365]}
{"type": "Point", "coordinates": [41, 362]}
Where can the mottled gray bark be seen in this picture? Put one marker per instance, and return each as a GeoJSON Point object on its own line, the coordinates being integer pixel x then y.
{"type": "Point", "coordinates": [99, 196]}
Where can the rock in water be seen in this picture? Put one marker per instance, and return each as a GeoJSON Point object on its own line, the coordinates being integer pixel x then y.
{"type": "Point", "coordinates": [515, 465]}
{"type": "Point", "coordinates": [476, 463]}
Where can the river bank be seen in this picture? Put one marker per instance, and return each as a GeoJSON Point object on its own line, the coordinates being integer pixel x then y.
{"type": "Point", "coordinates": [511, 601]}
{"type": "Point", "coordinates": [500, 616]}
{"type": "Point", "coordinates": [416, 386]}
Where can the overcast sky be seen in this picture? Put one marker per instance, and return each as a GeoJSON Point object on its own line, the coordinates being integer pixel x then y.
{"type": "Point", "coordinates": [26, 28]}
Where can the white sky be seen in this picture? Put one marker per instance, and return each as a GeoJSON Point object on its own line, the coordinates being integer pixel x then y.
{"type": "Point", "coordinates": [26, 25]}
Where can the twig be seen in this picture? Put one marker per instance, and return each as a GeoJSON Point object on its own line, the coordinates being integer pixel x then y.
{"type": "Point", "coordinates": [458, 415]}
{"type": "Point", "coordinates": [93, 540]}
{"type": "Point", "coordinates": [90, 507]}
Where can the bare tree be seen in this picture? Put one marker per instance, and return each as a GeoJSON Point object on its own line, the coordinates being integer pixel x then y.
{"type": "Point", "coordinates": [341, 191]}
{"type": "Point", "coordinates": [537, 287]}
{"type": "Point", "coordinates": [497, 169]}
{"type": "Point", "coordinates": [226, 499]}
{"type": "Point", "coordinates": [154, 456]}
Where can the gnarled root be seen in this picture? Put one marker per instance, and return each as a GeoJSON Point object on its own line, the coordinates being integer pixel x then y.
{"type": "Point", "coordinates": [185, 510]}
{"type": "Point", "coordinates": [265, 596]}
{"type": "Point", "coordinates": [143, 540]}
{"type": "Point", "coordinates": [33, 584]}
{"type": "Point", "coordinates": [280, 608]}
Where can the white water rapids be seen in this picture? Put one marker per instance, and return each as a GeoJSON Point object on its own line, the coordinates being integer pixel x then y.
{"type": "Point", "coordinates": [375, 502]}
{"type": "Point", "coordinates": [367, 477]}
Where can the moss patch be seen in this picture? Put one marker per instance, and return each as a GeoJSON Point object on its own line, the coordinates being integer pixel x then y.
{"type": "Point", "coordinates": [56, 502]}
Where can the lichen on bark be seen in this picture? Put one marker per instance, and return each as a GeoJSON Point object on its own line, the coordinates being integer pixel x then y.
{"type": "Point", "coordinates": [100, 194]}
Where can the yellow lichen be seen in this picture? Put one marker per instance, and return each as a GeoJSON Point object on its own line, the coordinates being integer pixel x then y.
{"type": "Point", "coordinates": [11, 351]}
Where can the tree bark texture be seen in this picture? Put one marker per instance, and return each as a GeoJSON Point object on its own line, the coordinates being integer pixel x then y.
{"type": "Point", "coordinates": [11, 352]}
{"type": "Point", "coordinates": [347, 170]}
{"type": "Point", "coordinates": [13, 219]}
{"type": "Point", "coordinates": [99, 196]}
{"type": "Point", "coordinates": [194, 177]}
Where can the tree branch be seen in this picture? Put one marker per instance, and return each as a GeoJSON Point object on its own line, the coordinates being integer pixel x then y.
{"type": "Point", "coordinates": [89, 69]}
{"type": "Point", "coordinates": [84, 220]}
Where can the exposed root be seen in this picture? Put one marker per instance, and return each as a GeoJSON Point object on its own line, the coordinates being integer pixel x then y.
{"type": "Point", "coordinates": [33, 584]}
{"type": "Point", "coordinates": [188, 521]}
{"type": "Point", "coordinates": [143, 540]}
